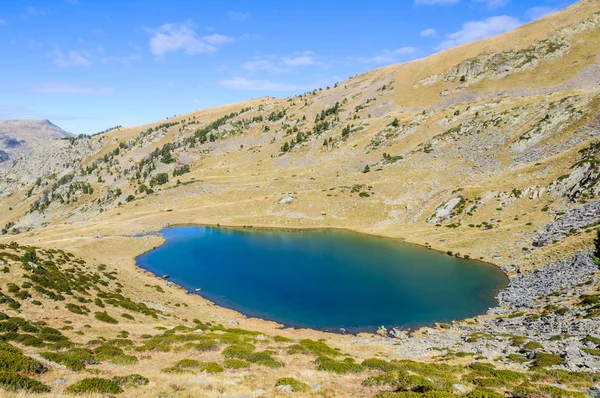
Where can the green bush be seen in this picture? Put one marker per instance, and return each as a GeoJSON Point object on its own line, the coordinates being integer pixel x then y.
{"type": "Point", "coordinates": [104, 317]}
{"type": "Point", "coordinates": [545, 360]}
{"type": "Point", "coordinates": [187, 363]}
{"type": "Point", "coordinates": [379, 364]}
{"type": "Point", "coordinates": [211, 367]}
{"type": "Point", "coordinates": [231, 363]}
{"type": "Point", "coordinates": [16, 362]}
{"type": "Point", "coordinates": [93, 385]}
{"type": "Point", "coordinates": [132, 380]}
{"type": "Point", "coordinates": [533, 345]}
{"type": "Point", "coordinates": [297, 385]}
{"type": "Point", "coordinates": [114, 355]}
{"type": "Point", "coordinates": [15, 382]}
{"type": "Point", "coordinates": [331, 365]}
{"type": "Point", "coordinates": [318, 348]}
{"type": "Point", "coordinates": [69, 361]}
{"type": "Point", "coordinates": [483, 393]}
{"type": "Point", "coordinates": [239, 351]}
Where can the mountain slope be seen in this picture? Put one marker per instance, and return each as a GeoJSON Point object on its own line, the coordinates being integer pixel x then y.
{"type": "Point", "coordinates": [19, 137]}
{"type": "Point", "coordinates": [489, 151]}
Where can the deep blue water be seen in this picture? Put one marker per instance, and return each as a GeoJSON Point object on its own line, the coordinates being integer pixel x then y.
{"type": "Point", "coordinates": [324, 279]}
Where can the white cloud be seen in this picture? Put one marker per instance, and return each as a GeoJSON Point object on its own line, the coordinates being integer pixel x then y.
{"type": "Point", "coordinates": [304, 59]}
{"type": "Point", "coordinates": [539, 12]}
{"type": "Point", "coordinates": [264, 65]}
{"type": "Point", "coordinates": [70, 89]}
{"type": "Point", "coordinates": [72, 58]}
{"type": "Point", "coordinates": [276, 64]}
{"type": "Point", "coordinates": [429, 33]}
{"type": "Point", "coordinates": [477, 30]}
{"type": "Point", "coordinates": [493, 4]}
{"type": "Point", "coordinates": [182, 37]}
{"type": "Point", "coordinates": [217, 39]}
{"type": "Point", "coordinates": [388, 57]}
{"type": "Point", "coordinates": [435, 2]}
{"type": "Point", "coordinates": [241, 83]}
{"type": "Point", "coordinates": [238, 16]}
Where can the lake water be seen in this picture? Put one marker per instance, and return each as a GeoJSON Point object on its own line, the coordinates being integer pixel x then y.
{"type": "Point", "coordinates": [324, 279]}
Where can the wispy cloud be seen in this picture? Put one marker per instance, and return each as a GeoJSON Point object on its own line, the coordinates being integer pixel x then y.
{"type": "Point", "coordinates": [388, 56]}
{"type": "Point", "coordinates": [539, 12]}
{"type": "Point", "coordinates": [435, 2]}
{"type": "Point", "coordinates": [183, 37]}
{"type": "Point", "coordinates": [493, 4]}
{"type": "Point", "coordinates": [70, 89]}
{"type": "Point", "coordinates": [266, 65]}
{"type": "Point", "coordinates": [71, 58]}
{"type": "Point", "coordinates": [305, 59]}
{"type": "Point", "coordinates": [241, 83]}
{"type": "Point", "coordinates": [278, 64]}
{"type": "Point", "coordinates": [238, 16]}
{"type": "Point", "coordinates": [32, 11]}
{"type": "Point", "coordinates": [477, 30]}
{"type": "Point", "coordinates": [217, 39]}
{"type": "Point", "coordinates": [429, 33]}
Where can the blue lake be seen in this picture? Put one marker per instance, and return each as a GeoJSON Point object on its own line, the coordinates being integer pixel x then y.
{"type": "Point", "coordinates": [324, 279]}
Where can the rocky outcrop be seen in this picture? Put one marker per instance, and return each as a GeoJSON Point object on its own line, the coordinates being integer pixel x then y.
{"type": "Point", "coordinates": [525, 290]}
{"type": "Point", "coordinates": [577, 218]}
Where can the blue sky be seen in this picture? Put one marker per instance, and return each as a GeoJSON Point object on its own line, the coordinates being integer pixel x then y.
{"type": "Point", "coordinates": [88, 65]}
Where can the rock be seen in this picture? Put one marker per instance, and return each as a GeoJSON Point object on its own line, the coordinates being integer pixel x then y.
{"type": "Point", "coordinates": [524, 289]}
{"type": "Point", "coordinates": [443, 211]}
{"type": "Point", "coordinates": [287, 199]}
{"type": "Point", "coordinates": [460, 388]}
{"type": "Point", "coordinates": [576, 218]}
{"type": "Point", "coordinates": [232, 322]}
{"type": "Point", "coordinates": [60, 382]}
{"type": "Point", "coordinates": [316, 387]}
{"type": "Point", "coordinates": [594, 392]}
{"type": "Point", "coordinates": [286, 389]}
{"type": "Point", "coordinates": [197, 380]}
{"type": "Point", "coordinates": [258, 393]}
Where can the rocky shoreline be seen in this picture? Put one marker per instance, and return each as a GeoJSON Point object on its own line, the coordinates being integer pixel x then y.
{"type": "Point", "coordinates": [536, 307]}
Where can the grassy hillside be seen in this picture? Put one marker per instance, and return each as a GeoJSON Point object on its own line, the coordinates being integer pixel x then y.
{"type": "Point", "coordinates": [487, 151]}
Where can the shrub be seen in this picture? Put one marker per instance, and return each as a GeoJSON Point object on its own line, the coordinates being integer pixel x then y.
{"type": "Point", "coordinates": [30, 256]}
{"type": "Point", "coordinates": [211, 367]}
{"type": "Point", "coordinates": [15, 382]}
{"type": "Point", "coordinates": [297, 385]}
{"type": "Point", "coordinates": [544, 360]}
{"type": "Point", "coordinates": [379, 364]}
{"type": "Point", "coordinates": [231, 363]}
{"type": "Point", "coordinates": [92, 385]}
{"type": "Point", "coordinates": [331, 365]}
{"type": "Point", "coordinates": [307, 346]}
{"type": "Point", "coordinates": [483, 393]}
{"type": "Point", "coordinates": [132, 380]}
{"type": "Point", "coordinates": [533, 345]}
{"type": "Point", "coordinates": [69, 361]}
{"type": "Point", "coordinates": [104, 317]}
{"type": "Point", "coordinates": [238, 351]}
{"type": "Point", "coordinates": [16, 362]}
{"type": "Point", "coordinates": [114, 355]}
{"type": "Point", "coordinates": [187, 363]}
{"type": "Point", "coordinates": [159, 179]}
